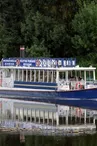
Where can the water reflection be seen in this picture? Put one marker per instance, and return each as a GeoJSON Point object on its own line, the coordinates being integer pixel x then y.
{"type": "Point", "coordinates": [9, 140]}
{"type": "Point", "coordinates": [33, 140]}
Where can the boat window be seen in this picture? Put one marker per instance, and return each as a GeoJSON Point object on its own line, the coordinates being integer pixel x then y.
{"type": "Point", "coordinates": [28, 76]}
{"type": "Point", "coordinates": [78, 74]}
{"type": "Point", "coordinates": [24, 78]}
{"type": "Point", "coordinates": [32, 76]}
{"type": "Point", "coordinates": [82, 74]}
{"type": "Point", "coordinates": [41, 75]}
{"type": "Point", "coordinates": [20, 75]}
{"type": "Point", "coordinates": [89, 75]}
{"type": "Point", "coordinates": [62, 75]}
{"type": "Point", "coordinates": [45, 76]}
{"type": "Point", "coordinates": [16, 74]}
{"type": "Point", "coordinates": [8, 73]}
{"type": "Point", "coordinates": [50, 76]}
{"type": "Point", "coordinates": [73, 73]}
{"type": "Point", "coordinates": [37, 72]}
{"type": "Point", "coordinates": [54, 80]}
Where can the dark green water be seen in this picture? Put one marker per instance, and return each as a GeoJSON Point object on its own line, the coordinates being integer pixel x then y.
{"type": "Point", "coordinates": [14, 140]}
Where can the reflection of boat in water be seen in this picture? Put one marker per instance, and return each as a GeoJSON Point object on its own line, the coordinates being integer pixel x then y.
{"type": "Point", "coordinates": [57, 81]}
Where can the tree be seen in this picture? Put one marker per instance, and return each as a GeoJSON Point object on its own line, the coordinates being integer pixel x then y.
{"type": "Point", "coordinates": [37, 51]}
{"type": "Point", "coordinates": [85, 33]}
{"type": "Point", "coordinates": [43, 29]}
{"type": "Point", "coordinates": [11, 15]}
{"type": "Point", "coordinates": [2, 41]}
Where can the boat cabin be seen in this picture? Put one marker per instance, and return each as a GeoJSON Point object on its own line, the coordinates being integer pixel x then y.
{"type": "Point", "coordinates": [46, 74]}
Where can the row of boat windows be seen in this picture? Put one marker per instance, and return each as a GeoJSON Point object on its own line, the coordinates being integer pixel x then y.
{"type": "Point", "coordinates": [46, 75]}
{"type": "Point", "coordinates": [76, 75]}
{"type": "Point", "coordinates": [35, 75]}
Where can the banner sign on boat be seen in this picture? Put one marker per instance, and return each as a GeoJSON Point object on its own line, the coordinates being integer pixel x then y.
{"type": "Point", "coordinates": [39, 62]}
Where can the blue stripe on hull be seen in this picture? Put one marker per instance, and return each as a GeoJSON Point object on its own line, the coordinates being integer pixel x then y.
{"type": "Point", "coordinates": [81, 94]}
{"type": "Point", "coordinates": [75, 98]}
{"type": "Point", "coordinates": [35, 85]}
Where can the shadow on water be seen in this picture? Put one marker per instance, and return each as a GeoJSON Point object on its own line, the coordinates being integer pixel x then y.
{"type": "Point", "coordinates": [34, 140]}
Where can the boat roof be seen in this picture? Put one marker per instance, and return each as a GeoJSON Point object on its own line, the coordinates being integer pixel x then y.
{"type": "Point", "coordinates": [77, 68]}
{"type": "Point", "coordinates": [51, 68]}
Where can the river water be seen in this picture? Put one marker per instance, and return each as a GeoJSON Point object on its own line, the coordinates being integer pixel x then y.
{"type": "Point", "coordinates": [36, 140]}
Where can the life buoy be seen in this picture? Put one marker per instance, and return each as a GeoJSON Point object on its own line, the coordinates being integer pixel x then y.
{"type": "Point", "coordinates": [78, 85]}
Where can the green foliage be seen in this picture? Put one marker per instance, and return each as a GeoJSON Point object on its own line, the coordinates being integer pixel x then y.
{"type": "Point", "coordinates": [82, 3]}
{"type": "Point", "coordinates": [39, 28]}
{"type": "Point", "coordinates": [10, 30]}
{"type": "Point", "coordinates": [2, 41]}
{"type": "Point", "coordinates": [36, 28]}
{"type": "Point", "coordinates": [59, 40]}
{"type": "Point", "coordinates": [37, 51]}
{"type": "Point", "coordinates": [31, 23]}
{"type": "Point", "coordinates": [85, 32]}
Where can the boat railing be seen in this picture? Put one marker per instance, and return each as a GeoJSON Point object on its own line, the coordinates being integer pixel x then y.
{"type": "Point", "coordinates": [76, 85]}
{"type": "Point", "coordinates": [71, 85]}
{"type": "Point", "coordinates": [92, 82]}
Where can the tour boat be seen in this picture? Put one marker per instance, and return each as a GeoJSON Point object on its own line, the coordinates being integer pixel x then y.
{"type": "Point", "coordinates": [50, 80]}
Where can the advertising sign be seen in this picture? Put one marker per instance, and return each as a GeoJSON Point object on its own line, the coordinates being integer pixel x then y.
{"type": "Point", "coordinates": [39, 62]}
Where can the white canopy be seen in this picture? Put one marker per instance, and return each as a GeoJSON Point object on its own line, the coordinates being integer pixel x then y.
{"type": "Point", "coordinates": [77, 68]}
